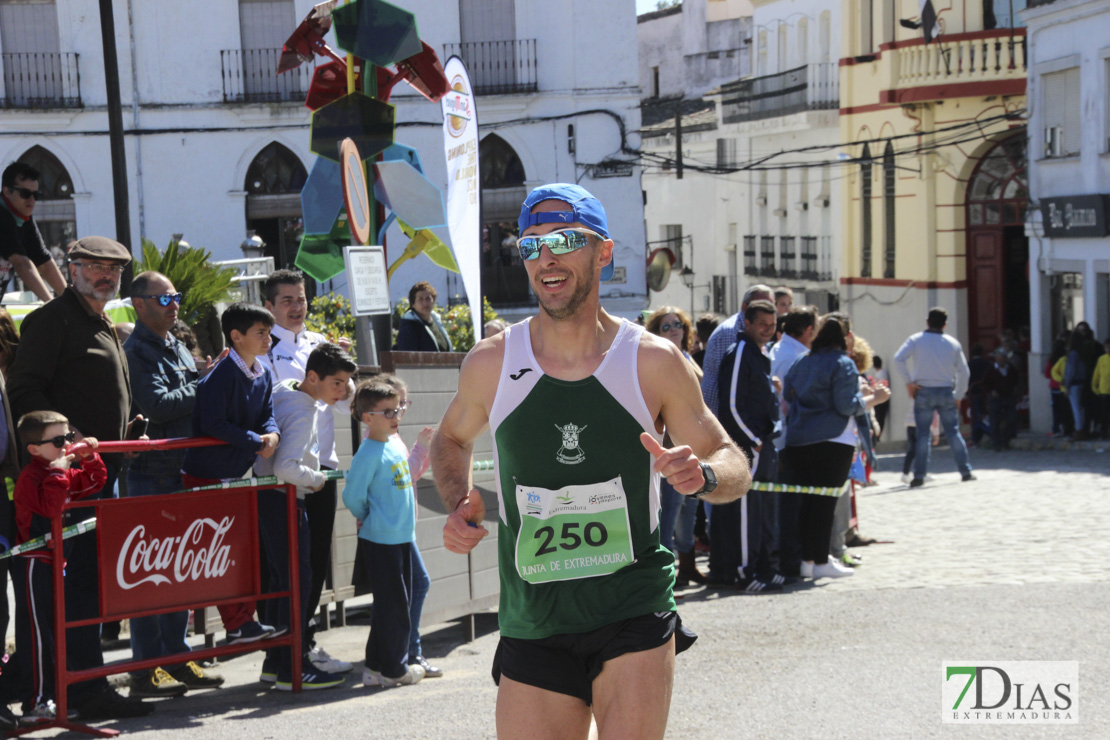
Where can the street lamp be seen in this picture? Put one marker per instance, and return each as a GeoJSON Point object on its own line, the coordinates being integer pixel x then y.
{"type": "Point", "coordinates": [253, 246]}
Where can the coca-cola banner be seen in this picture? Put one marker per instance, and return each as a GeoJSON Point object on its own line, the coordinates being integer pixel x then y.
{"type": "Point", "coordinates": [163, 551]}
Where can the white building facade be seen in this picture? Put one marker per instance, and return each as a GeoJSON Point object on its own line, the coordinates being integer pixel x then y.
{"type": "Point", "coordinates": [217, 144]}
{"type": "Point", "coordinates": [758, 199]}
{"type": "Point", "coordinates": [1069, 179]}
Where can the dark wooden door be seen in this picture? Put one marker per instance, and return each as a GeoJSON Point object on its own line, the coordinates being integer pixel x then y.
{"type": "Point", "coordinates": [986, 295]}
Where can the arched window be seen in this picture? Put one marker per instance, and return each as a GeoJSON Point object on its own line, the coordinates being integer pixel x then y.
{"type": "Point", "coordinates": [803, 42]}
{"type": "Point", "coordinates": [888, 211]}
{"type": "Point", "coordinates": [274, 171]}
{"type": "Point", "coordinates": [504, 280]}
{"type": "Point", "coordinates": [865, 212]}
{"type": "Point", "coordinates": [783, 51]}
{"type": "Point", "coordinates": [500, 165]}
{"type": "Point", "coordinates": [273, 184]}
{"type": "Point", "coordinates": [56, 214]}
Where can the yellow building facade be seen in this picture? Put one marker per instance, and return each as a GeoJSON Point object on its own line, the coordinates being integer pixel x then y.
{"type": "Point", "coordinates": [935, 200]}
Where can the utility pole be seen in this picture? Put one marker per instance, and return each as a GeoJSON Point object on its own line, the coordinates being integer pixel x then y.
{"type": "Point", "coordinates": [115, 136]}
{"type": "Point", "coordinates": [678, 139]}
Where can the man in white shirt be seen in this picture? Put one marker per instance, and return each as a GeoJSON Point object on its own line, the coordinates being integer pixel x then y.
{"type": "Point", "coordinates": [289, 350]}
{"type": "Point", "coordinates": [798, 331]}
{"type": "Point", "coordinates": [936, 374]}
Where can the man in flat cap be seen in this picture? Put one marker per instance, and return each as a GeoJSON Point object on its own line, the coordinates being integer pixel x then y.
{"type": "Point", "coordinates": [71, 361]}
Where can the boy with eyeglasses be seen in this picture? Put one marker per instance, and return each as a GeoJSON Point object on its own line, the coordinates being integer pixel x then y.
{"type": "Point", "coordinates": [379, 493]}
{"type": "Point", "coordinates": [45, 485]}
{"type": "Point", "coordinates": [21, 244]}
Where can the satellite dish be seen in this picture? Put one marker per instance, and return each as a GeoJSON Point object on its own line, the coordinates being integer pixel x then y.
{"type": "Point", "coordinates": [659, 265]}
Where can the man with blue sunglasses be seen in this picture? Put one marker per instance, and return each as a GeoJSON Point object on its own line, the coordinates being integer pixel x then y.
{"type": "Point", "coordinates": [587, 614]}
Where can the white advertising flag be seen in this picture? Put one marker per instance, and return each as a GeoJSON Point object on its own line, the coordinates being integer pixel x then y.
{"type": "Point", "coordinates": [460, 140]}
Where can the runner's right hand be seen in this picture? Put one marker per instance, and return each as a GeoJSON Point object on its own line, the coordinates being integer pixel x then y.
{"type": "Point", "coordinates": [464, 530]}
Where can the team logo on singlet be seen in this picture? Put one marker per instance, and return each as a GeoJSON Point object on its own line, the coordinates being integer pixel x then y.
{"type": "Point", "coordinates": [570, 453]}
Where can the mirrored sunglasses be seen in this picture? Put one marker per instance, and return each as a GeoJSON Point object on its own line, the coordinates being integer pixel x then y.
{"type": "Point", "coordinates": [59, 441]}
{"type": "Point", "coordinates": [664, 328]}
{"type": "Point", "coordinates": [164, 299]}
{"type": "Point", "coordinates": [563, 241]}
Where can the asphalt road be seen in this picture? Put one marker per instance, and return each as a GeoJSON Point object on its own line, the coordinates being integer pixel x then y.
{"type": "Point", "coordinates": [1012, 566]}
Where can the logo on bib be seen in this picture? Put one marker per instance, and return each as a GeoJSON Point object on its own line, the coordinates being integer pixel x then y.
{"type": "Point", "coordinates": [570, 453]}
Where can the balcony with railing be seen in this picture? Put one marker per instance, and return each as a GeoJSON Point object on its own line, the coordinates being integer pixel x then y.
{"type": "Point", "coordinates": [797, 258]}
{"type": "Point", "coordinates": [250, 76]}
{"type": "Point", "coordinates": [811, 87]}
{"type": "Point", "coordinates": [995, 60]}
{"type": "Point", "coordinates": [41, 80]}
{"type": "Point", "coordinates": [498, 67]}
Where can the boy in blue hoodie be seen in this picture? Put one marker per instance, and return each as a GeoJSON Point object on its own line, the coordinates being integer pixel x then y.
{"type": "Point", "coordinates": [297, 461]}
{"type": "Point", "coordinates": [378, 492]}
{"type": "Point", "coordinates": [234, 403]}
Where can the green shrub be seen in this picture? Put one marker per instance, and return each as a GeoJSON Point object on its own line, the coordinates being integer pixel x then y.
{"type": "Point", "coordinates": [456, 320]}
{"type": "Point", "coordinates": [330, 315]}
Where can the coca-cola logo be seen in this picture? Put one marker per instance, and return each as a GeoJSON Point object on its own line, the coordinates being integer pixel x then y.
{"type": "Point", "coordinates": [198, 554]}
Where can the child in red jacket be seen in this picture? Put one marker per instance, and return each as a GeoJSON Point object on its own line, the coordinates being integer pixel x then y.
{"type": "Point", "coordinates": [44, 487]}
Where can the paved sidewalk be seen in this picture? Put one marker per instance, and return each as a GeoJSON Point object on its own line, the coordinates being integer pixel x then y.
{"type": "Point", "coordinates": [1012, 566]}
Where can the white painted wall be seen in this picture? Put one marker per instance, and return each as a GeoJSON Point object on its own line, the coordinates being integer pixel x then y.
{"type": "Point", "coordinates": [1064, 34]}
{"type": "Point", "coordinates": [186, 170]}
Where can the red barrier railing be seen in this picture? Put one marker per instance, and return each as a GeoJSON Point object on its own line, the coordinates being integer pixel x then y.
{"type": "Point", "coordinates": [167, 557]}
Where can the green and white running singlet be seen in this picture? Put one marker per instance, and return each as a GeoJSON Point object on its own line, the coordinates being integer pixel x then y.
{"type": "Point", "coordinates": [578, 539]}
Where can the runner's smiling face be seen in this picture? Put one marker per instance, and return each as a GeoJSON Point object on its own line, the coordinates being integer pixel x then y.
{"type": "Point", "coordinates": [563, 282]}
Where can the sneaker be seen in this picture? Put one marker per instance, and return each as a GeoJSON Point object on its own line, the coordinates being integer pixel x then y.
{"type": "Point", "coordinates": [8, 719]}
{"type": "Point", "coordinates": [194, 677]}
{"type": "Point", "coordinates": [917, 482]}
{"type": "Point", "coordinates": [249, 632]}
{"type": "Point", "coordinates": [968, 477]}
{"type": "Point", "coordinates": [831, 569]}
{"type": "Point", "coordinates": [906, 477]}
{"type": "Point", "coordinates": [430, 671]}
{"type": "Point", "coordinates": [321, 661]}
{"type": "Point", "coordinates": [806, 570]}
{"type": "Point", "coordinates": [851, 561]}
{"type": "Point", "coordinates": [412, 675]}
{"type": "Point", "coordinates": [311, 679]}
{"type": "Point", "coordinates": [269, 670]}
{"type": "Point", "coordinates": [44, 711]}
{"type": "Point", "coordinates": [156, 684]}
{"type": "Point", "coordinates": [279, 631]}
{"type": "Point", "coordinates": [778, 579]}
{"type": "Point", "coordinates": [110, 704]}
{"type": "Point", "coordinates": [755, 586]}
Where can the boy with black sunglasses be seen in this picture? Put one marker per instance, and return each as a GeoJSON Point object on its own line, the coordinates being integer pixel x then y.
{"type": "Point", "coordinates": [45, 485]}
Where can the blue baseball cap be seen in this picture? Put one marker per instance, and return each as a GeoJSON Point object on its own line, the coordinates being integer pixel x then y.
{"type": "Point", "coordinates": [585, 209]}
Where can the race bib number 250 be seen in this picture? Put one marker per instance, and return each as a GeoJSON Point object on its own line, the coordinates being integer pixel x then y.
{"type": "Point", "coordinates": [572, 532]}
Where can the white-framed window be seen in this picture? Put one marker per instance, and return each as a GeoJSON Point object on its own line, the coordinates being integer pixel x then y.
{"type": "Point", "coordinates": [803, 41]}
{"type": "Point", "coordinates": [761, 54]}
{"type": "Point", "coordinates": [672, 235]}
{"type": "Point", "coordinates": [824, 22]}
{"type": "Point", "coordinates": [1060, 94]}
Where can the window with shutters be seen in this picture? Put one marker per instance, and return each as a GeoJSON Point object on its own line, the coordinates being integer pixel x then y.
{"type": "Point", "coordinates": [36, 73]}
{"type": "Point", "coordinates": [888, 211]}
{"type": "Point", "coordinates": [1060, 93]}
{"type": "Point", "coordinates": [865, 212]}
{"type": "Point", "coordinates": [726, 152]}
{"type": "Point", "coordinates": [672, 239]}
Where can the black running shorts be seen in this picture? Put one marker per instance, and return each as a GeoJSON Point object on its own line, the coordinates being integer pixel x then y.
{"type": "Point", "coordinates": [568, 664]}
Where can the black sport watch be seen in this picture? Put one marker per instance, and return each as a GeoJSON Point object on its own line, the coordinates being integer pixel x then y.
{"type": "Point", "coordinates": [710, 481]}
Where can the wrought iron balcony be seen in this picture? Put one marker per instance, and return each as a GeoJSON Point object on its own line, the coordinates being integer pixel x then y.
{"type": "Point", "coordinates": [41, 80]}
{"type": "Point", "coordinates": [812, 262]}
{"type": "Point", "coordinates": [498, 67]}
{"type": "Point", "coordinates": [250, 76]}
{"type": "Point", "coordinates": [812, 87]}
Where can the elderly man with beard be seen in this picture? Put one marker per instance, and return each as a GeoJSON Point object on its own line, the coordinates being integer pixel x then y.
{"type": "Point", "coordinates": [71, 361]}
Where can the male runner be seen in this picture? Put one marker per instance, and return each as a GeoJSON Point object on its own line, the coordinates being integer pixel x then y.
{"type": "Point", "coordinates": [587, 614]}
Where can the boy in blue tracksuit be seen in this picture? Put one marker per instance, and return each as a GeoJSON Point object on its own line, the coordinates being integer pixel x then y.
{"type": "Point", "coordinates": [297, 461]}
{"type": "Point", "coordinates": [749, 411]}
{"type": "Point", "coordinates": [379, 493]}
{"type": "Point", "coordinates": [235, 404]}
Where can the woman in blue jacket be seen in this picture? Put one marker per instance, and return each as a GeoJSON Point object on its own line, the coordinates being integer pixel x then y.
{"type": "Point", "coordinates": [823, 394]}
